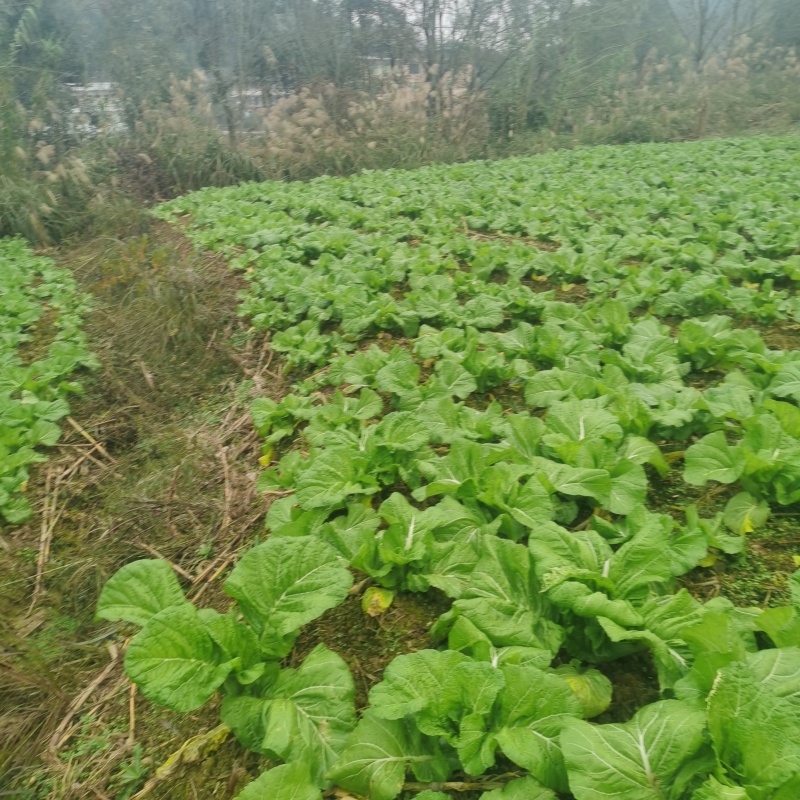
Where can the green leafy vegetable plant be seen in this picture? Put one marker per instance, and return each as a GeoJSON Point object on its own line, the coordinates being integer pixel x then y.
{"type": "Point", "coordinates": [182, 655]}
{"type": "Point", "coordinates": [36, 364]}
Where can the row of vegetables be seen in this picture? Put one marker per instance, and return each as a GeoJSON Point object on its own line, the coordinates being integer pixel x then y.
{"type": "Point", "coordinates": [494, 369]}
{"type": "Point", "coordinates": [42, 345]}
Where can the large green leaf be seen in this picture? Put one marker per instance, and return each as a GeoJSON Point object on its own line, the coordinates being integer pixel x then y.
{"type": "Point", "coordinates": [729, 401]}
{"type": "Point", "coordinates": [745, 514]}
{"type": "Point", "coordinates": [287, 782]}
{"type": "Point", "coordinates": [534, 707]}
{"type": "Point", "coordinates": [443, 694]}
{"type": "Point", "coordinates": [451, 565]}
{"type": "Point", "coordinates": [460, 471]}
{"type": "Point", "coordinates": [717, 639]}
{"type": "Point", "coordinates": [787, 382]}
{"type": "Point", "coordinates": [583, 420]}
{"type": "Point", "coordinates": [408, 537]}
{"type": "Point", "coordinates": [467, 637]}
{"type": "Point", "coordinates": [400, 375]}
{"type": "Point", "coordinates": [283, 584]}
{"type": "Point", "coordinates": [712, 789]}
{"type": "Point", "coordinates": [401, 430]}
{"type": "Point", "coordinates": [656, 552]}
{"type": "Point", "coordinates": [378, 755]}
{"type": "Point", "coordinates": [663, 619]}
{"type": "Point", "coordinates": [713, 459]}
{"type": "Point", "coordinates": [575, 481]}
{"type": "Point", "coordinates": [520, 789]}
{"type": "Point", "coordinates": [788, 414]}
{"type": "Point", "coordinates": [352, 535]}
{"type": "Point", "coordinates": [174, 661]}
{"type": "Point", "coordinates": [642, 451]}
{"type": "Point", "coordinates": [138, 591]}
{"type": "Point", "coordinates": [648, 758]}
{"type": "Point", "coordinates": [582, 601]}
{"type": "Point", "coordinates": [421, 685]}
{"type": "Point", "coordinates": [782, 625]}
{"type": "Point", "coordinates": [651, 353]}
{"type": "Point", "coordinates": [754, 720]}
{"type": "Point", "coordinates": [306, 715]}
{"type": "Point", "coordinates": [332, 477]}
{"type": "Point", "coordinates": [554, 547]}
{"type": "Point", "coordinates": [628, 488]}
{"type": "Point", "coordinates": [452, 380]}
{"type": "Point", "coordinates": [549, 387]}
{"type": "Point", "coordinates": [503, 600]}
{"type": "Point", "coordinates": [236, 640]}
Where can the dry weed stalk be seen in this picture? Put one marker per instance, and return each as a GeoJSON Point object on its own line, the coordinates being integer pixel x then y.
{"type": "Point", "coordinates": [669, 99]}
{"type": "Point", "coordinates": [327, 129]}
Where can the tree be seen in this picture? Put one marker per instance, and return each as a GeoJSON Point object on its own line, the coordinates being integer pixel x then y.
{"type": "Point", "coordinates": [713, 26]}
{"type": "Point", "coordinates": [785, 23]}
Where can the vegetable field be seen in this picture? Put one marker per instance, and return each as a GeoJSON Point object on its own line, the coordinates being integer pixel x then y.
{"type": "Point", "coordinates": [497, 369]}
{"type": "Point", "coordinates": [41, 346]}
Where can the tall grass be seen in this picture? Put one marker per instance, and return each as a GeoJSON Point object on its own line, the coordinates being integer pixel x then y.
{"type": "Point", "coordinates": [45, 188]}
{"type": "Point", "coordinates": [751, 90]}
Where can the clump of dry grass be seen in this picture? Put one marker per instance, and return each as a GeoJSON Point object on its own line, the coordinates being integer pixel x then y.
{"type": "Point", "coordinates": [324, 129]}
{"type": "Point", "coordinates": [48, 197]}
{"type": "Point", "coordinates": [52, 185]}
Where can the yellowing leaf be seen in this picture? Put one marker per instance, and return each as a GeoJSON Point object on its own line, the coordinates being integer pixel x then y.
{"type": "Point", "coordinates": [376, 601]}
{"type": "Point", "coordinates": [744, 514]}
{"type": "Point", "coordinates": [193, 750]}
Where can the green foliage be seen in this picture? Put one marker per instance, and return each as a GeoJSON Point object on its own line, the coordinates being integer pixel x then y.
{"type": "Point", "coordinates": [41, 347]}
{"type": "Point", "coordinates": [138, 591]}
{"type": "Point", "coordinates": [652, 757]}
{"type": "Point", "coordinates": [452, 429]}
{"type": "Point", "coordinates": [305, 716]}
{"type": "Point", "coordinates": [182, 656]}
{"type": "Point", "coordinates": [755, 725]}
{"type": "Point", "coordinates": [174, 659]}
{"type": "Point", "coordinates": [287, 782]}
{"type": "Point", "coordinates": [283, 584]}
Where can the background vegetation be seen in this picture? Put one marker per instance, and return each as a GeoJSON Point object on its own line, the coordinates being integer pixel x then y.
{"type": "Point", "coordinates": [163, 457]}
{"type": "Point", "coordinates": [205, 92]}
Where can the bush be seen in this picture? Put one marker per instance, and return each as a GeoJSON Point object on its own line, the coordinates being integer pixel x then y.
{"type": "Point", "coordinates": [753, 89]}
